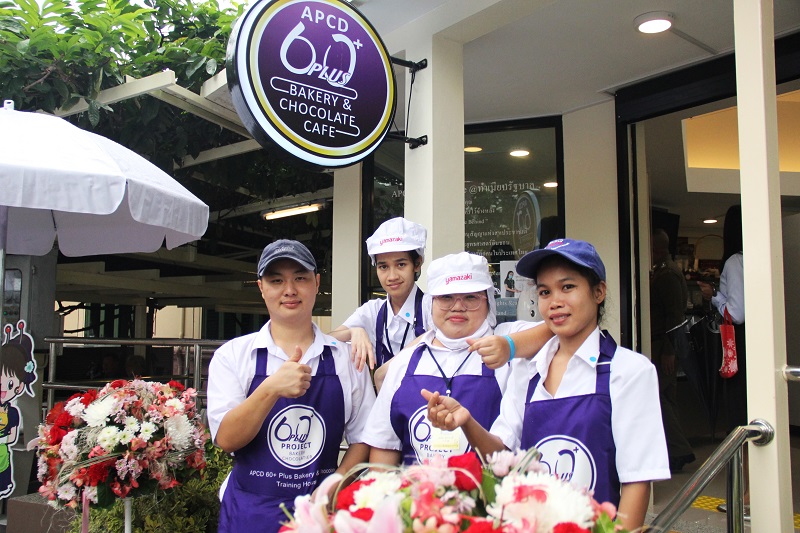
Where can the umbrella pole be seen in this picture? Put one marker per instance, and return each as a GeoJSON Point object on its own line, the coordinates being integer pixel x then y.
{"type": "Point", "coordinates": [3, 240]}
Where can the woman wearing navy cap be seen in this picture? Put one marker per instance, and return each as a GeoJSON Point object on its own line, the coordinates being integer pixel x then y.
{"type": "Point", "coordinates": [380, 328]}
{"type": "Point", "coordinates": [590, 407]}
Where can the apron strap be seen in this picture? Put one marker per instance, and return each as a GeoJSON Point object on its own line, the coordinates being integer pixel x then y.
{"type": "Point", "coordinates": [261, 362]}
{"type": "Point", "coordinates": [380, 349]}
{"type": "Point", "coordinates": [419, 323]}
{"type": "Point", "coordinates": [326, 366]}
{"type": "Point", "coordinates": [608, 347]}
{"type": "Point", "coordinates": [415, 358]}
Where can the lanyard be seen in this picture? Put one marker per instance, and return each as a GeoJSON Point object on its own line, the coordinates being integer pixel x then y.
{"type": "Point", "coordinates": [448, 381]}
{"type": "Point", "coordinates": [388, 343]}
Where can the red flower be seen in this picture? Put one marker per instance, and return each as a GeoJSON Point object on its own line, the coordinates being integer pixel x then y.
{"type": "Point", "coordinates": [117, 383]}
{"type": "Point", "coordinates": [481, 525]}
{"type": "Point", "coordinates": [56, 435]}
{"type": "Point", "coordinates": [61, 426]}
{"type": "Point", "coordinates": [365, 514]}
{"type": "Point", "coordinates": [569, 527]}
{"type": "Point", "coordinates": [89, 397]}
{"type": "Point", "coordinates": [345, 498]}
{"type": "Point", "coordinates": [175, 385]}
{"type": "Point", "coordinates": [469, 462]}
{"type": "Point", "coordinates": [98, 473]}
{"type": "Point", "coordinates": [54, 413]}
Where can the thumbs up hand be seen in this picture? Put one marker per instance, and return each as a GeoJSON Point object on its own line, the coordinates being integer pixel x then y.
{"type": "Point", "coordinates": [292, 379]}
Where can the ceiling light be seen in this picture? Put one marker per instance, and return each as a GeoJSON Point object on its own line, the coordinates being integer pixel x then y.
{"type": "Point", "coordinates": [550, 184]}
{"type": "Point", "coordinates": [519, 153]}
{"type": "Point", "coordinates": [654, 22]}
{"type": "Point", "coordinates": [710, 221]}
{"type": "Point", "coordinates": [472, 149]}
{"type": "Point", "coordinates": [299, 210]}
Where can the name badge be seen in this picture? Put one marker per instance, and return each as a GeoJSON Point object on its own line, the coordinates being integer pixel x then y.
{"type": "Point", "coordinates": [446, 440]}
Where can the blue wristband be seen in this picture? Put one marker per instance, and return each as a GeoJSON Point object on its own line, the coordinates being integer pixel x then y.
{"type": "Point", "coordinates": [511, 346]}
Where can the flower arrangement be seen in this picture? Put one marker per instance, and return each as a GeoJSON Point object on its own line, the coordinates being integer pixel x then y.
{"type": "Point", "coordinates": [510, 493]}
{"type": "Point", "coordinates": [128, 439]}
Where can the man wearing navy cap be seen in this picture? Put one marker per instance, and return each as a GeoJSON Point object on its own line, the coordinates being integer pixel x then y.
{"type": "Point", "coordinates": [282, 399]}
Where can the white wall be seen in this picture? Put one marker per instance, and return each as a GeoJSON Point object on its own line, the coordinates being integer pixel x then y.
{"type": "Point", "coordinates": [590, 190]}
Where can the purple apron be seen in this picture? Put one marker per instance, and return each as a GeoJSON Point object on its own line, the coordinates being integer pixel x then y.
{"type": "Point", "coordinates": [409, 410]}
{"type": "Point", "coordinates": [574, 434]}
{"type": "Point", "coordinates": [297, 445]}
{"type": "Point", "coordinates": [384, 352]}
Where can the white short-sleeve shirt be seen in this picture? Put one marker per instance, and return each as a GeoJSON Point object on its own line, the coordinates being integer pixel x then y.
{"type": "Point", "coordinates": [234, 365]}
{"type": "Point", "coordinates": [380, 433]}
{"type": "Point", "coordinates": [399, 325]}
{"type": "Point", "coordinates": [635, 409]}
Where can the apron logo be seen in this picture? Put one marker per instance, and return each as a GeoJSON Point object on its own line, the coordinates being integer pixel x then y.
{"type": "Point", "coordinates": [568, 459]}
{"type": "Point", "coordinates": [429, 442]}
{"type": "Point", "coordinates": [296, 436]}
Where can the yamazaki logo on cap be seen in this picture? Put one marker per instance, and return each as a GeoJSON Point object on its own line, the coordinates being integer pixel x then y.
{"type": "Point", "coordinates": [390, 240]}
{"type": "Point", "coordinates": [460, 277]}
{"type": "Point", "coordinates": [313, 77]}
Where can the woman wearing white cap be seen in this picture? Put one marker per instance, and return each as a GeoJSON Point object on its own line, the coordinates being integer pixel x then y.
{"type": "Point", "coordinates": [463, 308]}
{"type": "Point", "coordinates": [380, 328]}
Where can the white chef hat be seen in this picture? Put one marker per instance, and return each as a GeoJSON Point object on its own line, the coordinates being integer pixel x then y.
{"type": "Point", "coordinates": [459, 273]}
{"type": "Point", "coordinates": [397, 235]}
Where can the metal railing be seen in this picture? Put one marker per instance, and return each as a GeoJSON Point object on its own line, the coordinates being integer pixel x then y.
{"type": "Point", "coordinates": [759, 432]}
{"type": "Point", "coordinates": [196, 346]}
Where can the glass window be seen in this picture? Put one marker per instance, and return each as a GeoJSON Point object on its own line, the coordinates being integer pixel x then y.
{"type": "Point", "coordinates": [512, 199]}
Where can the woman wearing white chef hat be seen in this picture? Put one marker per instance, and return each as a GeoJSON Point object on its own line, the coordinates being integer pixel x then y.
{"type": "Point", "coordinates": [380, 328]}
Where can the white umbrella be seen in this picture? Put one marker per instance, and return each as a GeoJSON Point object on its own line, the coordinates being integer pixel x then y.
{"type": "Point", "coordinates": [97, 196]}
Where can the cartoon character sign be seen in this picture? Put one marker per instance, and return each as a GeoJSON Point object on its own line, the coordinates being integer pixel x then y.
{"type": "Point", "coordinates": [17, 374]}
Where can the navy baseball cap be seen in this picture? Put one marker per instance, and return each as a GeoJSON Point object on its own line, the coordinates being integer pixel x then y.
{"type": "Point", "coordinates": [579, 252]}
{"type": "Point", "coordinates": [286, 249]}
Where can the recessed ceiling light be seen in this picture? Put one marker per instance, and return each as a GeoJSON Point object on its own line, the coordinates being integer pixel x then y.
{"type": "Point", "coordinates": [473, 149]}
{"type": "Point", "coordinates": [654, 22]}
{"type": "Point", "coordinates": [519, 153]}
{"type": "Point", "coordinates": [550, 184]}
{"type": "Point", "coordinates": [710, 221]}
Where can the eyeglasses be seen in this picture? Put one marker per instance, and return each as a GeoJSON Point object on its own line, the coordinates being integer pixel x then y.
{"type": "Point", "coordinates": [470, 302]}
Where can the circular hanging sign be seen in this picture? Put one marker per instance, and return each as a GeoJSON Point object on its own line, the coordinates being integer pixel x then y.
{"type": "Point", "coordinates": [313, 77]}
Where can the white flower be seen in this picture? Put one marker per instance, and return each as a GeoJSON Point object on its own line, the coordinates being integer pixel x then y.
{"type": "Point", "coordinates": [174, 405]}
{"type": "Point", "coordinates": [549, 502]}
{"type": "Point", "coordinates": [370, 496]}
{"type": "Point", "coordinates": [75, 407]}
{"type": "Point", "coordinates": [179, 431]}
{"type": "Point", "coordinates": [147, 430]}
{"type": "Point", "coordinates": [98, 412]}
{"type": "Point", "coordinates": [68, 450]}
{"type": "Point", "coordinates": [131, 423]}
{"type": "Point", "coordinates": [67, 492]}
{"type": "Point", "coordinates": [126, 435]}
{"type": "Point", "coordinates": [108, 438]}
{"type": "Point", "coordinates": [91, 493]}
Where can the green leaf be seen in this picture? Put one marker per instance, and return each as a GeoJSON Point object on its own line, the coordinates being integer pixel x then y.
{"type": "Point", "coordinates": [211, 66]}
{"type": "Point", "coordinates": [23, 46]}
{"type": "Point", "coordinates": [94, 112]}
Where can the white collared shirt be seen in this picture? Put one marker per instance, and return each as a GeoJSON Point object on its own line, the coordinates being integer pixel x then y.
{"type": "Point", "coordinates": [731, 289]}
{"type": "Point", "coordinates": [379, 432]}
{"type": "Point", "coordinates": [366, 317]}
{"type": "Point", "coordinates": [234, 364]}
{"type": "Point", "coordinates": [635, 409]}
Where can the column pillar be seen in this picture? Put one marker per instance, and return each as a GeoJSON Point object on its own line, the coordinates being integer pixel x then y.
{"type": "Point", "coordinates": [347, 244]}
{"type": "Point", "coordinates": [767, 395]}
{"type": "Point", "coordinates": [434, 173]}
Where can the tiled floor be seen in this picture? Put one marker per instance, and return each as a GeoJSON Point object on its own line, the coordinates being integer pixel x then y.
{"type": "Point", "coordinates": [702, 516]}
